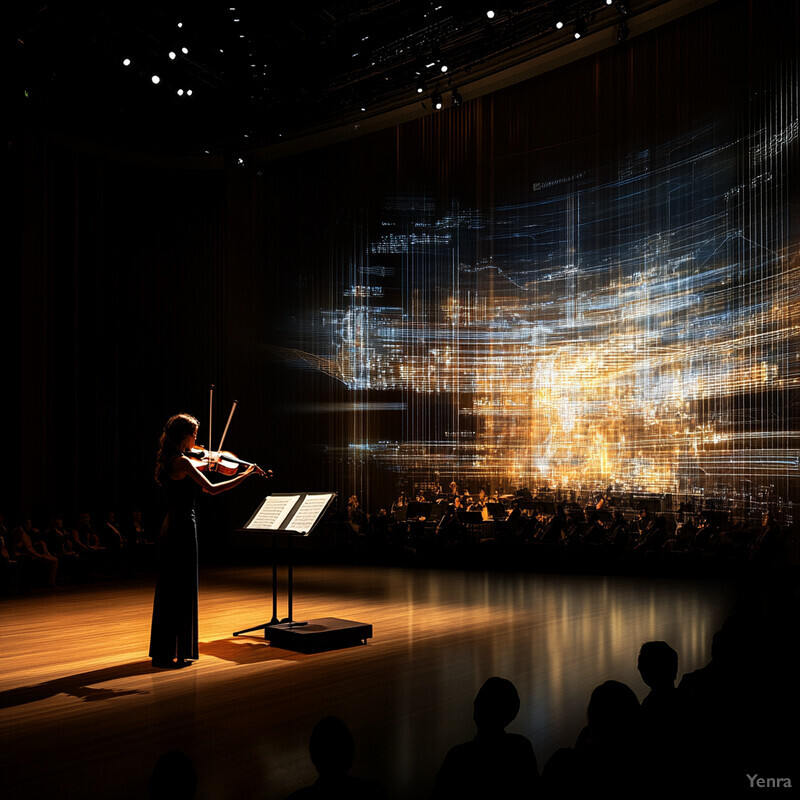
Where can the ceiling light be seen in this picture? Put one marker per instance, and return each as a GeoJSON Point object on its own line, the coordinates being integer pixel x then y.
{"type": "Point", "coordinates": [580, 28]}
{"type": "Point", "coordinates": [189, 92]}
{"type": "Point", "coordinates": [490, 14]}
{"type": "Point", "coordinates": [180, 92]}
{"type": "Point", "coordinates": [444, 67]}
{"type": "Point", "coordinates": [155, 79]}
{"type": "Point", "coordinates": [126, 62]}
{"type": "Point", "coordinates": [436, 99]}
{"type": "Point", "coordinates": [172, 55]}
{"type": "Point", "coordinates": [559, 25]}
{"type": "Point", "coordinates": [185, 51]}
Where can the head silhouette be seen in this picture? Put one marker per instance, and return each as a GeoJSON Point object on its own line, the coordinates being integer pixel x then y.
{"type": "Point", "coordinates": [658, 665]}
{"type": "Point", "coordinates": [613, 710]}
{"type": "Point", "coordinates": [331, 747]}
{"type": "Point", "coordinates": [496, 704]}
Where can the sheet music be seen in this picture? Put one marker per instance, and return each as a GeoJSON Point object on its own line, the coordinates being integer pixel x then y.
{"type": "Point", "coordinates": [273, 511]}
{"type": "Point", "coordinates": [306, 516]}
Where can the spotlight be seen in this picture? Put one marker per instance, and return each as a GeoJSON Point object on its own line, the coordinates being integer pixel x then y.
{"type": "Point", "coordinates": [172, 55]}
{"type": "Point", "coordinates": [559, 25]}
{"type": "Point", "coordinates": [155, 79]}
{"type": "Point", "coordinates": [126, 62]}
{"type": "Point", "coordinates": [455, 98]}
{"type": "Point", "coordinates": [185, 51]}
{"type": "Point", "coordinates": [623, 7]}
{"type": "Point", "coordinates": [623, 31]}
{"type": "Point", "coordinates": [420, 87]}
{"type": "Point", "coordinates": [189, 92]}
{"type": "Point", "coordinates": [180, 24]}
{"type": "Point", "coordinates": [444, 67]}
{"type": "Point", "coordinates": [436, 99]}
{"type": "Point", "coordinates": [580, 28]}
{"type": "Point", "coordinates": [490, 14]}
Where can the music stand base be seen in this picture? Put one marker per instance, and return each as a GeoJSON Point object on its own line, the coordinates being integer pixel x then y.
{"type": "Point", "coordinates": [318, 635]}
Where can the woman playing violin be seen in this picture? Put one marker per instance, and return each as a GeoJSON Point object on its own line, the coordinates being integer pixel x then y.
{"type": "Point", "coordinates": [173, 633]}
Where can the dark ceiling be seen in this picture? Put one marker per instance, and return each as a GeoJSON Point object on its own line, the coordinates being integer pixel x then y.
{"type": "Point", "coordinates": [250, 74]}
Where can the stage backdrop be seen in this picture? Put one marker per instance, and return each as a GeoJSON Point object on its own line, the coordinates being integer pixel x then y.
{"type": "Point", "coordinates": [588, 280]}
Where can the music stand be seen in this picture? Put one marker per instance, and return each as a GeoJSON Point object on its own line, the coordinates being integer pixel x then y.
{"type": "Point", "coordinates": [295, 514]}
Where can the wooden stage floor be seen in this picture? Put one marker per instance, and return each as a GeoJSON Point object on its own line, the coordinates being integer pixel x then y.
{"type": "Point", "coordinates": [84, 715]}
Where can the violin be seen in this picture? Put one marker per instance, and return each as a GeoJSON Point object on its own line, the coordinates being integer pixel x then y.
{"type": "Point", "coordinates": [222, 462]}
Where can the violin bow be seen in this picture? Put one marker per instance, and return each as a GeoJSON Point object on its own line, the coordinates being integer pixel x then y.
{"type": "Point", "coordinates": [210, 409]}
{"type": "Point", "coordinates": [225, 432]}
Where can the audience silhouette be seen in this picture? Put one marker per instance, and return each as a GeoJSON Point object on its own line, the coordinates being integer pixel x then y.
{"type": "Point", "coordinates": [608, 755]}
{"type": "Point", "coordinates": [494, 763]}
{"type": "Point", "coordinates": [332, 751]}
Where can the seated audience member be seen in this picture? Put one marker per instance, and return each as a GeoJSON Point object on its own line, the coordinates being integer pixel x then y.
{"type": "Point", "coordinates": [478, 503]}
{"type": "Point", "coordinates": [111, 535]}
{"type": "Point", "coordinates": [84, 538]}
{"type": "Point", "coordinates": [768, 544]}
{"type": "Point", "coordinates": [449, 529]}
{"type": "Point", "coordinates": [57, 538]}
{"type": "Point", "coordinates": [653, 539]}
{"type": "Point", "coordinates": [707, 534]}
{"type": "Point", "coordinates": [553, 528]}
{"type": "Point", "coordinates": [619, 536]}
{"type": "Point", "coordinates": [9, 570]}
{"type": "Point", "coordinates": [494, 763]}
{"type": "Point", "coordinates": [719, 700]}
{"type": "Point", "coordinates": [136, 534]}
{"type": "Point", "coordinates": [332, 752]}
{"type": "Point", "coordinates": [608, 754]}
{"type": "Point", "coordinates": [644, 522]}
{"type": "Point", "coordinates": [173, 777]}
{"type": "Point", "coordinates": [662, 720]}
{"type": "Point", "coordinates": [356, 518]}
{"type": "Point", "coordinates": [684, 535]}
{"type": "Point", "coordinates": [658, 666]}
{"type": "Point", "coordinates": [59, 542]}
{"type": "Point", "coordinates": [37, 558]}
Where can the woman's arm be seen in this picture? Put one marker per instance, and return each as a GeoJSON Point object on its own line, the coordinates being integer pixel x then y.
{"type": "Point", "coordinates": [184, 466]}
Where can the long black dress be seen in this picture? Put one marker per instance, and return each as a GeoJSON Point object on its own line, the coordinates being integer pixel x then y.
{"type": "Point", "coordinates": [173, 632]}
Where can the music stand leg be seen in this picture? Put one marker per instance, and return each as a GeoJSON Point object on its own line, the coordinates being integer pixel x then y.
{"type": "Point", "coordinates": [289, 620]}
{"type": "Point", "coordinates": [274, 620]}
{"type": "Point", "coordinates": [291, 580]}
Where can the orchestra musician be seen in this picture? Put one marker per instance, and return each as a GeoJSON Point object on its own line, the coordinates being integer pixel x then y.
{"type": "Point", "coordinates": [173, 633]}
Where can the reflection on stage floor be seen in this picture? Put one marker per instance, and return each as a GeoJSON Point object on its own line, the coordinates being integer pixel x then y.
{"type": "Point", "coordinates": [83, 713]}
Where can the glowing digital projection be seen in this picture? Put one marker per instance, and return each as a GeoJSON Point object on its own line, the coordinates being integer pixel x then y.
{"type": "Point", "coordinates": [636, 330]}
